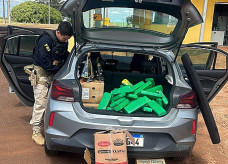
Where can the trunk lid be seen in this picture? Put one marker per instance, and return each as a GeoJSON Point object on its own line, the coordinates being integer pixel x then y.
{"type": "Point", "coordinates": [149, 23]}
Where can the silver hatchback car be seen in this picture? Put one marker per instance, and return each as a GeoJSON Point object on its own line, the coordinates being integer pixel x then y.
{"type": "Point", "coordinates": [124, 39]}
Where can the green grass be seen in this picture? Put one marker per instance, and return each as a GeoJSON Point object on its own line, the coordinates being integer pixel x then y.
{"type": "Point", "coordinates": [198, 56]}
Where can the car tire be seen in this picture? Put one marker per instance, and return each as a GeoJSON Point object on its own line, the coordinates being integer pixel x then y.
{"type": "Point", "coordinates": [202, 100]}
{"type": "Point", "coordinates": [50, 152]}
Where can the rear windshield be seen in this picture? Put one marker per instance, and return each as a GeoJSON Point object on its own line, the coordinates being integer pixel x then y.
{"type": "Point", "coordinates": [129, 18]}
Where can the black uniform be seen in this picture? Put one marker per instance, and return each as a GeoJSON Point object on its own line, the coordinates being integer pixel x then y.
{"type": "Point", "coordinates": [47, 50]}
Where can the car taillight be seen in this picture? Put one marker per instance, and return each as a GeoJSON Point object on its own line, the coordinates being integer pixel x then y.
{"type": "Point", "coordinates": [61, 93]}
{"type": "Point", "coordinates": [187, 101]}
{"type": "Point", "coordinates": [193, 127]}
{"type": "Point", "coordinates": [51, 119]}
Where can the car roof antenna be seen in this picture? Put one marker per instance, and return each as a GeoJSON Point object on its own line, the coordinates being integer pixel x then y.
{"type": "Point", "coordinates": [186, 30]}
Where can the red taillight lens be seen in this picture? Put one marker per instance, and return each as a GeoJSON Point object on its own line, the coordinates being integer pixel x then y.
{"type": "Point", "coordinates": [61, 93]}
{"type": "Point", "coordinates": [51, 119]}
{"type": "Point", "coordinates": [187, 101]}
{"type": "Point", "coordinates": [193, 127]}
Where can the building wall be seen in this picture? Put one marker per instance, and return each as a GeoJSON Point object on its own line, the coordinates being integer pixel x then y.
{"type": "Point", "coordinates": [209, 18]}
{"type": "Point", "coordinates": [193, 34]}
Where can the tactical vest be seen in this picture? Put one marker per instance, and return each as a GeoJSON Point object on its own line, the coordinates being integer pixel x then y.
{"type": "Point", "coordinates": [49, 33]}
{"type": "Point", "coordinates": [57, 49]}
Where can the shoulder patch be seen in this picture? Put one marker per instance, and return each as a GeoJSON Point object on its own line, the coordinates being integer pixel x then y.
{"type": "Point", "coordinates": [47, 47]}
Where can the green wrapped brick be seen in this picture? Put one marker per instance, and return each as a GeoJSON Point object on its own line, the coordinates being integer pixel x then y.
{"type": "Point", "coordinates": [136, 104]}
{"type": "Point", "coordinates": [159, 101]}
{"type": "Point", "coordinates": [150, 95]}
{"type": "Point", "coordinates": [145, 86]}
{"type": "Point", "coordinates": [164, 99]}
{"type": "Point", "coordinates": [132, 96]}
{"type": "Point", "coordinates": [121, 105]}
{"type": "Point", "coordinates": [147, 109]}
{"type": "Point", "coordinates": [124, 89]}
{"type": "Point", "coordinates": [118, 97]}
{"type": "Point", "coordinates": [155, 89]}
{"type": "Point", "coordinates": [115, 103]}
{"type": "Point", "coordinates": [139, 84]}
{"type": "Point", "coordinates": [109, 108]}
{"type": "Point", "coordinates": [157, 109]}
{"type": "Point", "coordinates": [152, 81]}
{"type": "Point", "coordinates": [104, 101]}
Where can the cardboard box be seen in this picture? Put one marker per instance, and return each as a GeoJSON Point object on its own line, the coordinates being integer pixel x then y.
{"type": "Point", "coordinates": [87, 156]}
{"type": "Point", "coordinates": [92, 92]}
{"type": "Point", "coordinates": [150, 161]}
{"type": "Point", "coordinates": [94, 105]}
{"type": "Point", "coordinates": [110, 147]}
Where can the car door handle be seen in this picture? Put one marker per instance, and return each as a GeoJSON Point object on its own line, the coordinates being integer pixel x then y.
{"type": "Point", "coordinates": [126, 121]}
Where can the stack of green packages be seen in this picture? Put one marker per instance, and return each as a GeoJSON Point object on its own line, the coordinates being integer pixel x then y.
{"type": "Point", "coordinates": [145, 96]}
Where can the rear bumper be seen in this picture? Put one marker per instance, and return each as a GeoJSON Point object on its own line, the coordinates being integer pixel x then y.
{"type": "Point", "coordinates": [156, 145]}
{"type": "Point", "coordinates": [167, 136]}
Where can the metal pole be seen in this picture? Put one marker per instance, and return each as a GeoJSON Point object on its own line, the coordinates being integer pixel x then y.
{"type": "Point", "coordinates": [98, 23]}
{"type": "Point", "coordinates": [204, 18]}
{"type": "Point", "coordinates": [104, 17]}
{"type": "Point", "coordinates": [9, 11]}
{"type": "Point", "coordinates": [4, 21]}
{"type": "Point", "coordinates": [91, 21]}
{"type": "Point", "coordinates": [49, 21]}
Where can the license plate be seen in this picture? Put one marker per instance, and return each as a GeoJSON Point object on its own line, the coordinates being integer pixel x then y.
{"type": "Point", "coordinates": [139, 140]}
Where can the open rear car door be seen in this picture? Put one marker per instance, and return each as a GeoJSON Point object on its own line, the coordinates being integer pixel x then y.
{"type": "Point", "coordinates": [205, 69]}
{"type": "Point", "coordinates": [210, 64]}
{"type": "Point", "coordinates": [17, 52]}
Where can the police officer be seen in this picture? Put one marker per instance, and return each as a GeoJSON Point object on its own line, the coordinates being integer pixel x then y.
{"type": "Point", "coordinates": [49, 55]}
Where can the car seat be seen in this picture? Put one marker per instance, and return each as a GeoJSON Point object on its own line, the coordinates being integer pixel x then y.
{"type": "Point", "coordinates": [141, 63]}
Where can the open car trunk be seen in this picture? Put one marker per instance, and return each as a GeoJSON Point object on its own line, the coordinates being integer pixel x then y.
{"type": "Point", "coordinates": [119, 68]}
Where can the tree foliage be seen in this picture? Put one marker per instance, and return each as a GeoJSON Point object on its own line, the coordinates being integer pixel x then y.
{"type": "Point", "coordinates": [57, 4]}
{"type": "Point", "coordinates": [32, 12]}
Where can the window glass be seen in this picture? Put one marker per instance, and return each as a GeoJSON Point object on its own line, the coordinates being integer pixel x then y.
{"type": "Point", "coordinates": [220, 61]}
{"type": "Point", "coordinates": [27, 44]}
{"type": "Point", "coordinates": [203, 59]}
{"type": "Point", "coordinates": [199, 57]}
{"type": "Point", "coordinates": [11, 46]}
{"type": "Point", "coordinates": [129, 18]}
